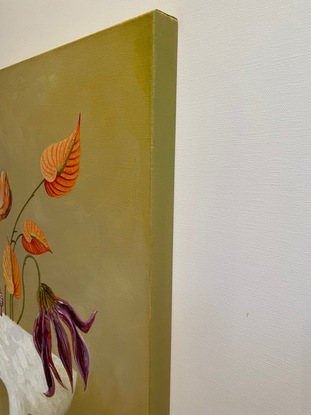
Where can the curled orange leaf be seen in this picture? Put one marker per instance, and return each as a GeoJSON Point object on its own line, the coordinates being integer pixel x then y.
{"type": "Point", "coordinates": [5, 196]}
{"type": "Point", "coordinates": [60, 164]}
{"type": "Point", "coordinates": [11, 271]}
{"type": "Point", "coordinates": [33, 239]}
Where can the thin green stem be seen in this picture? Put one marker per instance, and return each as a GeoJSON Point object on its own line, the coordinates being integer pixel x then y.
{"type": "Point", "coordinates": [23, 283]}
{"type": "Point", "coordinates": [11, 306]}
{"type": "Point", "coordinates": [23, 208]}
{"type": "Point", "coordinates": [15, 241]}
{"type": "Point", "coordinates": [5, 299]}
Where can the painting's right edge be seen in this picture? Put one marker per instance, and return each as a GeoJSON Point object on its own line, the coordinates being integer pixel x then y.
{"type": "Point", "coordinates": [161, 209]}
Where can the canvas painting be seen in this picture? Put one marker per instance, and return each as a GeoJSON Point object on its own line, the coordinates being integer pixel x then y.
{"type": "Point", "coordinates": [86, 216]}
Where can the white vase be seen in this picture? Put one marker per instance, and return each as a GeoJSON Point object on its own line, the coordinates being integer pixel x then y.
{"type": "Point", "coordinates": [22, 373]}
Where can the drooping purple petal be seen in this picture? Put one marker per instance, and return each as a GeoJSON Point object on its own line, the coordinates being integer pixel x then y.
{"type": "Point", "coordinates": [48, 375]}
{"type": "Point", "coordinates": [47, 348]}
{"type": "Point", "coordinates": [57, 311]}
{"type": "Point", "coordinates": [1, 302]}
{"type": "Point", "coordinates": [44, 347]}
{"type": "Point", "coordinates": [37, 332]}
{"type": "Point", "coordinates": [84, 326]}
{"type": "Point", "coordinates": [63, 347]}
{"type": "Point", "coordinates": [81, 353]}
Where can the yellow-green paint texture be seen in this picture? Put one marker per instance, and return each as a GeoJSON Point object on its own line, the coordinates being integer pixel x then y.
{"type": "Point", "coordinates": [111, 236]}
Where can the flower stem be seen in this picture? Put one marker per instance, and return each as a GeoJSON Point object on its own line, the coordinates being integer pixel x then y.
{"type": "Point", "coordinates": [23, 208]}
{"type": "Point", "coordinates": [15, 240]}
{"type": "Point", "coordinates": [11, 306]}
{"type": "Point", "coordinates": [23, 283]}
{"type": "Point", "coordinates": [5, 299]}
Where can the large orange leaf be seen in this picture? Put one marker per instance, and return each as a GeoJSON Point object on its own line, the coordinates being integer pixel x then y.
{"type": "Point", "coordinates": [5, 196]}
{"type": "Point", "coordinates": [11, 271]}
{"type": "Point", "coordinates": [60, 164]}
{"type": "Point", "coordinates": [33, 239]}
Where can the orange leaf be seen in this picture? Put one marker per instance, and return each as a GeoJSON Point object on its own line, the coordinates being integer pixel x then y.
{"type": "Point", "coordinates": [33, 239]}
{"type": "Point", "coordinates": [5, 196]}
{"type": "Point", "coordinates": [11, 271]}
{"type": "Point", "coordinates": [60, 164]}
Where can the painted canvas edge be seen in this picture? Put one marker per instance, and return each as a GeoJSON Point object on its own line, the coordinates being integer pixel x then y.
{"type": "Point", "coordinates": [161, 205]}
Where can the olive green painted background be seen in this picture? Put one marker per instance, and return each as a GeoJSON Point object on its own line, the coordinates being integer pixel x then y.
{"type": "Point", "coordinates": [112, 235]}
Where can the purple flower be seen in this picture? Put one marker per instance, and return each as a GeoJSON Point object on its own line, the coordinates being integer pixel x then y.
{"type": "Point", "coordinates": [58, 312]}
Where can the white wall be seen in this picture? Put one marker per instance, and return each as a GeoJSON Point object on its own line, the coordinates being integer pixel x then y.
{"type": "Point", "coordinates": [242, 262]}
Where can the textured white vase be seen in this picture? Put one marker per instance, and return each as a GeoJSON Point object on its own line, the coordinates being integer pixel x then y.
{"type": "Point", "coordinates": [22, 373]}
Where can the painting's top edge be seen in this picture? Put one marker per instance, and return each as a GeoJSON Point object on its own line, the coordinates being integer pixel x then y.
{"type": "Point", "coordinates": [152, 13]}
{"type": "Point", "coordinates": [157, 11]}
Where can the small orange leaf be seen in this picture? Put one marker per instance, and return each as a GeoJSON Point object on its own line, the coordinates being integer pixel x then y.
{"type": "Point", "coordinates": [60, 164]}
{"type": "Point", "coordinates": [33, 239]}
{"type": "Point", "coordinates": [5, 196]}
{"type": "Point", "coordinates": [11, 272]}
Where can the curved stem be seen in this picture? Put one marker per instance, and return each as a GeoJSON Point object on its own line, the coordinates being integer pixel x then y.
{"type": "Point", "coordinates": [5, 300]}
{"type": "Point", "coordinates": [11, 306]}
{"type": "Point", "coordinates": [23, 208]}
{"type": "Point", "coordinates": [23, 283]}
{"type": "Point", "coordinates": [15, 240]}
